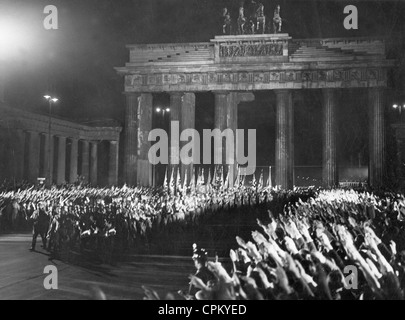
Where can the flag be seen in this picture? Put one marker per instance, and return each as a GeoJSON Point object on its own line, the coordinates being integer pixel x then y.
{"type": "Point", "coordinates": [243, 180]}
{"type": "Point", "coordinates": [185, 181]}
{"type": "Point", "coordinates": [261, 182]}
{"type": "Point", "coordinates": [254, 184]}
{"type": "Point", "coordinates": [202, 177]}
{"type": "Point", "coordinates": [269, 183]}
{"type": "Point", "coordinates": [222, 176]}
{"type": "Point", "coordinates": [237, 181]}
{"type": "Point", "coordinates": [164, 182]}
{"type": "Point", "coordinates": [226, 183]}
{"type": "Point", "coordinates": [208, 185]}
{"type": "Point", "coordinates": [172, 181]}
{"type": "Point", "coordinates": [192, 181]}
{"type": "Point", "coordinates": [199, 178]}
{"type": "Point", "coordinates": [178, 180]}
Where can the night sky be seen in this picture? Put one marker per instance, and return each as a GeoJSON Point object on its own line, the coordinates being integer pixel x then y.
{"type": "Point", "coordinates": [76, 62]}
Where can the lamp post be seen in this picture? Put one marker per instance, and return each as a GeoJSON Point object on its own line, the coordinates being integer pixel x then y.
{"type": "Point", "coordinates": [163, 111]}
{"type": "Point", "coordinates": [50, 101]}
{"type": "Point", "coordinates": [400, 108]}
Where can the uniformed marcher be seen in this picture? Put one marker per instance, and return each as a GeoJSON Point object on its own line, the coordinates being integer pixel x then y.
{"type": "Point", "coordinates": [41, 225]}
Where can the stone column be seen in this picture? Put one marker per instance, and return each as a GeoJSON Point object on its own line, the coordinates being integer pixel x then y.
{"type": "Point", "coordinates": [61, 169]}
{"type": "Point", "coordinates": [329, 162]}
{"type": "Point", "coordinates": [85, 161]}
{"type": "Point", "coordinates": [74, 159]}
{"type": "Point", "coordinates": [284, 140]}
{"type": "Point", "coordinates": [226, 118]}
{"type": "Point", "coordinates": [187, 122]}
{"type": "Point", "coordinates": [376, 136]}
{"type": "Point", "coordinates": [113, 164]}
{"type": "Point", "coordinates": [93, 163]}
{"type": "Point", "coordinates": [221, 115]}
{"type": "Point", "coordinates": [33, 156]}
{"type": "Point", "coordinates": [48, 158]}
{"type": "Point", "coordinates": [18, 158]}
{"type": "Point", "coordinates": [144, 114]}
{"type": "Point", "coordinates": [130, 140]}
{"type": "Point", "coordinates": [175, 115]}
{"type": "Point", "coordinates": [232, 123]}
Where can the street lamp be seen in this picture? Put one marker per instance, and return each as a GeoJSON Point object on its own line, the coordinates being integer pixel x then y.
{"type": "Point", "coordinates": [399, 107]}
{"type": "Point", "coordinates": [50, 101]}
{"type": "Point", "coordinates": [163, 111]}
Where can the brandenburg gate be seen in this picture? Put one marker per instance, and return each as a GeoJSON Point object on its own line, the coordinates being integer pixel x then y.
{"type": "Point", "coordinates": [234, 67]}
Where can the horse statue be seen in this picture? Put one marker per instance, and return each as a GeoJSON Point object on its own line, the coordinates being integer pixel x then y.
{"type": "Point", "coordinates": [241, 21]}
{"type": "Point", "coordinates": [260, 19]}
{"type": "Point", "coordinates": [277, 20]}
{"type": "Point", "coordinates": [227, 23]}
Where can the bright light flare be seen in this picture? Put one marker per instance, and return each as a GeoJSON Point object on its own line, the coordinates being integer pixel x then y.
{"type": "Point", "coordinates": [13, 39]}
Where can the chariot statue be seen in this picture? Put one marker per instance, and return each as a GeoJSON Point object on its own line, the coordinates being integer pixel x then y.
{"type": "Point", "coordinates": [255, 21]}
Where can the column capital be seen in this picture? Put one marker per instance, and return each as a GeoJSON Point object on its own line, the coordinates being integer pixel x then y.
{"type": "Point", "coordinates": [221, 92]}
{"type": "Point", "coordinates": [132, 94]}
{"type": "Point", "coordinates": [30, 131]}
{"type": "Point", "coordinates": [283, 91]}
{"type": "Point", "coordinates": [176, 93]}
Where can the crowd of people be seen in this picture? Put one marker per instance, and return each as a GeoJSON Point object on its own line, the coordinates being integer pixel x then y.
{"type": "Point", "coordinates": [312, 244]}
{"type": "Point", "coordinates": [104, 219]}
{"type": "Point", "coordinates": [337, 245]}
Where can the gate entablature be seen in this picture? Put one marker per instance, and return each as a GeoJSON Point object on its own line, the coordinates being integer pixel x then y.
{"type": "Point", "coordinates": [257, 62]}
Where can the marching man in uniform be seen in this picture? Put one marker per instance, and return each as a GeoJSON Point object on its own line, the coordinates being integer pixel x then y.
{"type": "Point", "coordinates": [41, 225]}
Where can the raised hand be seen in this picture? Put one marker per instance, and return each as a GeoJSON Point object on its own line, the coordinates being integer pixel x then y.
{"type": "Point", "coordinates": [290, 245]}
{"type": "Point", "coordinates": [258, 237]}
{"type": "Point", "coordinates": [325, 241]}
{"type": "Point", "coordinates": [393, 247]}
{"type": "Point", "coordinates": [241, 242]}
{"type": "Point", "coordinates": [244, 255]}
{"type": "Point", "coordinates": [292, 267]}
{"type": "Point", "coordinates": [219, 271]}
{"type": "Point", "coordinates": [372, 234]}
{"type": "Point", "coordinates": [233, 256]}
{"type": "Point", "coordinates": [253, 252]}
{"type": "Point", "coordinates": [283, 280]}
{"type": "Point", "coordinates": [263, 277]}
{"type": "Point", "coordinates": [302, 228]}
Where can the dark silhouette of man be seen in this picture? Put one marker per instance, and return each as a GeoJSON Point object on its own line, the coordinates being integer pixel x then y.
{"type": "Point", "coordinates": [41, 225]}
